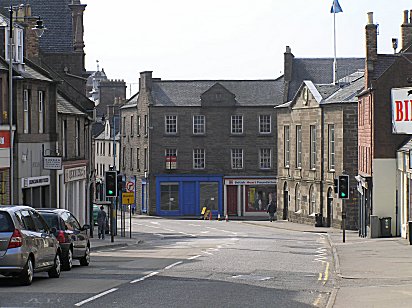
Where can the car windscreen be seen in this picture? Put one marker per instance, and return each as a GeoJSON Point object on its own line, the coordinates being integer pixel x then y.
{"type": "Point", "coordinates": [6, 224]}
{"type": "Point", "coordinates": [51, 219]}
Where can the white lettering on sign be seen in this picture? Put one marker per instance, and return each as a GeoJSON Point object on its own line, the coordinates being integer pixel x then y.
{"type": "Point", "coordinates": [250, 182]}
{"type": "Point", "coordinates": [2, 140]}
{"type": "Point", "coordinates": [74, 174]}
{"type": "Point", "coordinates": [35, 181]}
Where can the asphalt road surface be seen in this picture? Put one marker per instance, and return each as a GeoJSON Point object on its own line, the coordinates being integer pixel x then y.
{"type": "Point", "coordinates": [191, 263]}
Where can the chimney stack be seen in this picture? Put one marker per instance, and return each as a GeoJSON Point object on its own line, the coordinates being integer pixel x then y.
{"type": "Point", "coordinates": [287, 71]}
{"type": "Point", "coordinates": [406, 29]}
{"type": "Point", "coordinates": [145, 83]}
{"type": "Point", "coordinates": [371, 31]}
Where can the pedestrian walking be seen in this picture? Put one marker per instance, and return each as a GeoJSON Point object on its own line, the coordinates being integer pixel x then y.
{"type": "Point", "coordinates": [101, 222]}
{"type": "Point", "coordinates": [272, 209]}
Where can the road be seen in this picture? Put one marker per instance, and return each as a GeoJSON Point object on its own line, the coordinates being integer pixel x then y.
{"type": "Point", "coordinates": [191, 263]}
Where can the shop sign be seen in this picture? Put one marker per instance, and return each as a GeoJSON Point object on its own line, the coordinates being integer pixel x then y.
{"type": "Point", "coordinates": [4, 139]}
{"type": "Point", "coordinates": [74, 174]}
{"type": "Point", "coordinates": [52, 162]}
{"type": "Point", "coordinates": [250, 182]}
{"type": "Point", "coordinates": [35, 181]}
{"type": "Point", "coordinates": [401, 110]}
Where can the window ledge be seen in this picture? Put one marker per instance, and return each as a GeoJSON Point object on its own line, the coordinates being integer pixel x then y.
{"type": "Point", "coordinates": [299, 211]}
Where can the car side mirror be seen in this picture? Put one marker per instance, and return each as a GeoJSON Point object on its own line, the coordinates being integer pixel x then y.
{"type": "Point", "coordinates": [86, 227]}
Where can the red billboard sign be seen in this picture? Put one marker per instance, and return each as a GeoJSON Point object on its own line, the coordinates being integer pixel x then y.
{"type": "Point", "coordinates": [4, 139]}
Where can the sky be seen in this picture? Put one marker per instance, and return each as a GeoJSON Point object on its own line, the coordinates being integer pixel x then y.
{"type": "Point", "coordinates": [227, 39]}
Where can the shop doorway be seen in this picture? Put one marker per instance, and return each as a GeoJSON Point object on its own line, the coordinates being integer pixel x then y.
{"type": "Point", "coordinates": [329, 208]}
{"type": "Point", "coordinates": [231, 199]}
{"type": "Point", "coordinates": [285, 201]}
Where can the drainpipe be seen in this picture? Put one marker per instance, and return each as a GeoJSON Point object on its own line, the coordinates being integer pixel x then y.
{"type": "Point", "coordinates": [322, 153]}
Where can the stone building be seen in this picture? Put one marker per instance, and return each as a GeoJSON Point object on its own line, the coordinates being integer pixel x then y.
{"type": "Point", "coordinates": [317, 142]}
{"type": "Point", "coordinates": [208, 143]}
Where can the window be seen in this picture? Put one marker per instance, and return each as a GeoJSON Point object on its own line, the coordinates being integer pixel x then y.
{"type": "Point", "coordinates": [109, 148]}
{"type": "Point", "coordinates": [138, 159]}
{"type": "Point", "coordinates": [169, 196]}
{"type": "Point", "coordinates": [287, 146]}
{"type": "Point", "coordinates": [145, 159]}
{"type": "Point", "coordinates": [77, 136]}
{"type": "Point", "coordinates": [312, 147]}
{"type": "Point", "coordinates": [237, 158]}
{"type": "Point", "coordinates": [171, 124]}
{"type": "Point", "coordinates": [64, 138]}
{"type": "Point", "coordinates": [265, 158]}
{"type": "Point", "coordinates": [209, 195]}
{"type": "Point", "coordinates": [17, 43]}
{"type": "Point", "coordinates": [146, 125]}
{"type": "Point", "coordinates": [199, 159]}
{"type": "Point", "coordinates": [297, 198]}
{"type": "Point", "coordinates": [138, 125]}
{"type": "Point", "coordinates": [199, 124]}
{"type": "Point", "coordinates": [41, 112]}
{"type": "Point", "coordinates": [131, 158]}
{"type": "Point", "coordinates": [123, 128]}
{"type": "Point", "coordinates": [265, 124]}
{"type": "Point", "coordinates": [298, 146]}
{"type": "Point", "coordinates": [312, 200]}
{"type": "Point", "coordinates": [331, 130]}
{"type": "Point", "coordinates": [171, 158]}
{"type": "Point", "coordinates": [237, 124]}
{"type": "Point", "coordinates": [26, 111]}
{"type": "Point", "coordinates": [131, 126]}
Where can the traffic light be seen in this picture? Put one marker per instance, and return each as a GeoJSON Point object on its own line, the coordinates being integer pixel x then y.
{"type": "Point", "coordinates": [111, 183]}
{"type": "Point", "coordinates": [335, 185]}
{"type": "Point", "coordinates": [343, 191]}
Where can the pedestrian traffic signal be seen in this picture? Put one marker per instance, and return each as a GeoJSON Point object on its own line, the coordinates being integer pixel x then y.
{"type": "Point", "coordinates": [111, 183]}
{"type": "Point", "coordinates": [343, 191]}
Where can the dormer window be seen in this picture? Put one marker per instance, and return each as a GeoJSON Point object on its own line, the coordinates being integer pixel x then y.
{"type": "Point", "coordinates": [17, 45]}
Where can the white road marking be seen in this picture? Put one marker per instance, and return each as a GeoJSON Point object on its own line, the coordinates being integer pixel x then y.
{"type": "Point", "coordinates": [174, 264]}
{"type": "Point", "coordinates": [144, 277]}
{"type": "Point", "coordinates": [194, 257]}
{"type": "Point", "coordinates": [95, 297]}
{"type": "Point", "coordinates": [208, 253]}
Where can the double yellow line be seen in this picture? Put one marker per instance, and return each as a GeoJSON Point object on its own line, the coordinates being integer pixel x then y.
{"type": "Point", "coordinates": [324, 276]}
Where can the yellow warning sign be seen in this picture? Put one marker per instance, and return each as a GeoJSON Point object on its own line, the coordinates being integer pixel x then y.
{"type": "Point", "coordinates": [128, 198]}
{"type": "Point", "coordinates": [204, 210]}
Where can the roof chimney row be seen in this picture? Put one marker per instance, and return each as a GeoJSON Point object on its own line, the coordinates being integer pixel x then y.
{"type": "Point", "coordinates": [406, 29]}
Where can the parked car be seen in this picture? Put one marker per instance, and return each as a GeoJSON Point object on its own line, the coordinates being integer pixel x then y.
{"type": "Point", "coordinates": [27, 244]}
{"type": "Point", "coordinates": [73, 238]}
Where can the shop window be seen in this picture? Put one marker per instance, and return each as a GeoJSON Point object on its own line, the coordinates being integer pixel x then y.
{"type": "Point", "coordinates": [169, 196]}
{"type": "Point", "coordinates": [209, 194]}
{"type": "Point", "coordinates": [257, 197]}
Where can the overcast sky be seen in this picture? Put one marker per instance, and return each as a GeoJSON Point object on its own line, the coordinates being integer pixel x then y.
{"type": "Point", "coordinates": [226, 39]}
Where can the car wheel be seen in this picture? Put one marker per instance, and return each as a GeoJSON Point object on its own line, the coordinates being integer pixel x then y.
{"type": "Point", "coordinates": [55, 271]}
{"type": "Point", "coordinates": [26, 277]}
{"type": "Point", "coordinates": [85, 260]}
{"type": "Point", "coordinates": [67, 260]}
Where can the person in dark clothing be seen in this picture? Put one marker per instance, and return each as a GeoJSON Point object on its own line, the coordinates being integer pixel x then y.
{"type": "Point", "coordinates": [272, 209]}
{"type": "Point", "coordinates": [101, 222]}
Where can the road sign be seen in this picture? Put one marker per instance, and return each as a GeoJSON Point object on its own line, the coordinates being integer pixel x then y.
{"type": "Point", "coordinates": [128, 198]}
{"type": "Point", "coordinates": [130, 187]}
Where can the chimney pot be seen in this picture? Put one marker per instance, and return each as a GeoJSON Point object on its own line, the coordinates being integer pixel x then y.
{"type": "Point", "coordinates": [370, 18]}
{"type": "Point", "coordinates": [405, 16]}
{"type": "Point", "coordinates": [288, 50]}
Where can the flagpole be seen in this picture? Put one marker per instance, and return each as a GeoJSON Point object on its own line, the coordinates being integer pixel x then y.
{"type": "Point", "coordinates": [335, 67]}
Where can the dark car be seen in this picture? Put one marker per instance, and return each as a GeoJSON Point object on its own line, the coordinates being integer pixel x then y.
{"type": "Point", "coordinates": [27, 244]}
{"type": "Point", "coordinates": [73, 238]}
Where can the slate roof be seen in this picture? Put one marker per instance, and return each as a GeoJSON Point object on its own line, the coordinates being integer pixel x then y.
{"type": "Point", "coordinates": [347, 94]}
{"type": "Point", "coordinates": [131, 102]}
{"type": "Point", "coordinates": [65, 107]}
{"type": "Point", "coordinates": [406, 147]}
{"type": "Point", "coordinates": [247, 92]}
{"type": "Point", "coordinates": [57, 18]}
{"type": "Point", "coordinates": [320, 71]}
{"type": "Point", "coordinates": [383, 63]}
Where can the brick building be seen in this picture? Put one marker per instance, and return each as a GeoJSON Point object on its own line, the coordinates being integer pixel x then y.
{"type": "Point", "coordinates": [377, 179]}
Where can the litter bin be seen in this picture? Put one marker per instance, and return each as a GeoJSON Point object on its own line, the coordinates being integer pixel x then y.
{"type": "Point", "coordinates": [386, 226]}
{"type": "Point", "coordinates": [318, 220]}
{"type": "Point", "coordinates": [410, 231]}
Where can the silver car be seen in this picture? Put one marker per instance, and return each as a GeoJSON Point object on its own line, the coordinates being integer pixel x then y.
{"type": "Point", "coordinates": [27, 244]}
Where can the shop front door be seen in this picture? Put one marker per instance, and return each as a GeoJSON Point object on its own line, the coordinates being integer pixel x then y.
{"type": "Point", "coordinates": [231, 200]}
{"type": "Point", "coordinates": [189, 199]}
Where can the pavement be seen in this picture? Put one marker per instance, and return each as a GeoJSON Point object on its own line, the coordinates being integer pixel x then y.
{"type": "Point", "coordinates": [369, 272]}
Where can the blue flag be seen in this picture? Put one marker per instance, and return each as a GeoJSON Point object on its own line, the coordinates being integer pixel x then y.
{"type": "Point", "coordinates": [336, 7]}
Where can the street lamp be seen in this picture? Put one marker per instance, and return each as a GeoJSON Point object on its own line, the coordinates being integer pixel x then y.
{"type": "Point", "coordinates": [39, 29]}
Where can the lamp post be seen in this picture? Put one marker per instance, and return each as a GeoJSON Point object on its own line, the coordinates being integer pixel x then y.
{"type": "Point", "coordinates": [39, 29]}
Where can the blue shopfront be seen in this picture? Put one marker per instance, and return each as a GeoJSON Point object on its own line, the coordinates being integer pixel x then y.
{"type": "Point", "coordinates": [187, 195]}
